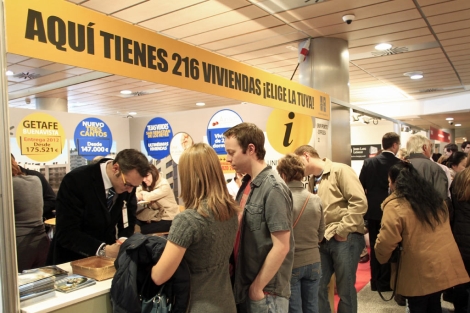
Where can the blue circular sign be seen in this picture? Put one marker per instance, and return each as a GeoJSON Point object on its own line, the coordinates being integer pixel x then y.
{"type": "Point", "coordinates": [218, 124]}
{"type": "Point", "coordinates": [157, 138]}
{"type": "Point", "coordinates": [93, 138]}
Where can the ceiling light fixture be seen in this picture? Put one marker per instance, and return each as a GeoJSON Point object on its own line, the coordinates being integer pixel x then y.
{"type": "Point", "coordinates": [414, 75]}
{"type": "Point", "coordinates": [200, 104]}
{"type": "Point", "coordinates": [458, 125]}
{"type": "Point", "coordinates": [383, 46]}
{"type": "Point", "coordinates": [125, 92]}
{"type": "Point", "coordinates": [449, 119]}
{"type": "Point", "coordinates": [132, 113]}
{"type": "Point", "coordinates": [9, 73]}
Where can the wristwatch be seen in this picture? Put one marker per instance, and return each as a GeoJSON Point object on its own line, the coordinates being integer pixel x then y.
{"type": "Point", "coordinates": [102, 251]}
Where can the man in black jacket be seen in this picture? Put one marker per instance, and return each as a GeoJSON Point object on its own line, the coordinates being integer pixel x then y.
{"type": "Point", "coordinates": [95, 205]}
{"type": "Point", "coordinates": [374, 179]}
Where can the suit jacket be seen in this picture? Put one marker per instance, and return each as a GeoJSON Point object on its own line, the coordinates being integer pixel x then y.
{"type": "Point", "coordinates": [83, 220]}
{"type": "Point", "coordinates": [374, 179]}
{"type": "Point", "coordinates": [48, 194]}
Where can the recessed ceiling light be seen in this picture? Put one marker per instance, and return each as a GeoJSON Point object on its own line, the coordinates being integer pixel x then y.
{"type": "Point", "coordinates": [449, 119]}
{"type": "Point", "coordinates": [126, 92]}
{"type": "Point", "coordinates": [383, 46]}
{"type": "Point", "coordinates": [414, 75]}
{"type": "Point", "coordinates": [9, 73]}
{"type": "Point", "coordinates": [132, 113]}
{"type": "Point", "coordinates": [200, 104]}
{"type": "Point", "coordinates": [458, 125]}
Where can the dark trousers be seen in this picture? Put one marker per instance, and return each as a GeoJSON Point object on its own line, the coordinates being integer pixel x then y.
{"type": "Point", "coordinates": [461, 294]}
{"type": "Point", "coordinates": [380, 273]}
{"type": "Point", "coordinates": [425, 304]}
{"type": "Point", "coordinates": [154, 227]}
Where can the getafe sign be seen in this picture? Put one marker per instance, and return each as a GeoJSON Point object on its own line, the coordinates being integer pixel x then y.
{"type": "Point", "coordinates": [61, 31]}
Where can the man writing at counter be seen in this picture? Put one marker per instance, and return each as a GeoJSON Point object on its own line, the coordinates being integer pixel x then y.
{"type": "Point", "coordinates": [94, 201]}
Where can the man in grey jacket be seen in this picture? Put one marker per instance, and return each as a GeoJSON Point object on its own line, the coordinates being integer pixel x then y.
{"type": "Point", "coordinates": [419, 149]}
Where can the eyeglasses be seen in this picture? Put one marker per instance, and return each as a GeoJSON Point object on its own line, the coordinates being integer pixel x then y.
{"type": "Point", "coordinates": [126, 184]}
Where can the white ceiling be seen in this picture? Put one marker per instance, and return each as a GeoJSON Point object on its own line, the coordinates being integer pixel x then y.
{"type": "Point", "coordinates": [434, 35]}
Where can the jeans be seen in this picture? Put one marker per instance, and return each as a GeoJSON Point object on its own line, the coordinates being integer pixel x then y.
{"type": "Point", "coordinates": [341, 258]}
{"type": "Point", "coordinates": [304, 289]}
{"type": "Point", "coordinates": [270, 304]}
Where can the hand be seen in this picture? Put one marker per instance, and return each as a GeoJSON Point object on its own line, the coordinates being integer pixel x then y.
{"type": "Point", "coordinates": [112, 250]}
{"type": "Point", "coordinates": [339, 238]}
{"type": "Point", "coordinates": [255, 294]}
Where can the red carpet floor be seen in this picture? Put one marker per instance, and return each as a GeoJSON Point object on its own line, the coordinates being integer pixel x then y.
{"type": "Point", "coordinates": [362, 279]}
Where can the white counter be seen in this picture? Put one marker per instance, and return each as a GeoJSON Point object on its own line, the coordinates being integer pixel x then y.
{"type": "Point", "coordinates": [93, 298]}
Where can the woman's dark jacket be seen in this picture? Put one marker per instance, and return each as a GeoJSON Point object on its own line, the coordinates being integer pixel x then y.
{"type": "Point", "coordinates": [133, 267]}
{"type": "Point", "coordinates": [461, 225]}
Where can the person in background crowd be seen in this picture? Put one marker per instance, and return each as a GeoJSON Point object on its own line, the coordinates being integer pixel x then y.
{"type": "Point", "coordinates": [203, 234]}
{"type": "Point", "coordinates": [95, 205]}
{"type": "Point", "coordinates": [156, 215]}
{"type": "Point", "coordinates": [32, 243]}
{"type": "Point", "coordinates": [48, 195]}
{"type": "Point", "coordinates": [450, 148]}
{"type": "Point", "coordinates": [442, 159]}
{"type": "Point", "coordinates": [374, 179]}
{"type": "Point", "coordinates": [264, 249]}
{"type": "Point", "coordinates": [309, 228]}
{"type": "Point", "coordinates": [436, 156]}
{"type": "Point", "coordinates": [402, 154]}
{"type": "Point", "coordinates": [416, 216]}
{"type": "Point", "coordinates": [344, 205]}
{"type": "Point", "coordinates": [457, 162]}
{"type": "Point", "coordinates": [466, 146]}
{"type": "Point", "coordinates": [234, 185]}
{"type": "Point", "coordinates": [460, 191]}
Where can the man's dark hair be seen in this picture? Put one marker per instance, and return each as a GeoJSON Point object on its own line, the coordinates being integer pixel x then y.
{"type": "Point", "coordinates": [389, 139]}
{"type": "Point", "coordinates": [131, 159]}
{"type": "Point", "coordinates": [465, 144]}
{"type": "Point", "coordinates": [451, 147]}
{"type": "Point", "coordinates": [247, 133]}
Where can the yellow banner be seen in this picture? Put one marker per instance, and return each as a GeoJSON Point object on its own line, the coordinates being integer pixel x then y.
{"type": "Point", "coordinates": [60, 31]}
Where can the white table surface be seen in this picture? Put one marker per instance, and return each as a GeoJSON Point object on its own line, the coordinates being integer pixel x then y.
{"type": "Point", "coordinates": [62, 300]}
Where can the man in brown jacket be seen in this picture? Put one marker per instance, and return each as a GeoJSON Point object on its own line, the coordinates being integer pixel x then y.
{"type": "Point", "coordinates": [344, 205]}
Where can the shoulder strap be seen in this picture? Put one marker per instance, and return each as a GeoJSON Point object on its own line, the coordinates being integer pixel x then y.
{"type": "Point", "coordinates": [301, 211]}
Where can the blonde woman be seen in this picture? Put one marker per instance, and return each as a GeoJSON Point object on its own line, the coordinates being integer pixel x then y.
{"type": "Point", "coordinates": [203, 234]}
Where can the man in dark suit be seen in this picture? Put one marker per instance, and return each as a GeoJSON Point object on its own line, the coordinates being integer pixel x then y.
{"type": "Point", "coordinates": [374, 179]}
{"type": "Point", "coordinates": [48, 194]}
{"type": "Point", "coordinates": [93, 202]}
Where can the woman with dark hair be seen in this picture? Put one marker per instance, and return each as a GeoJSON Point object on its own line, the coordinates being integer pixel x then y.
{"type": "Point", "coordinates": [415, 216]}
{"type": "Point", "coordinates": [203, 234]}
{"type": "Point", "coordinates": [309, 228]}
{"type": "Point", "coordinates": [460, 190]}
{"type": "Point", "coordinates": [160, 209]}
{"type": "Point", "coordinates": [457, 162]}
{"type": "Point", "coordinates": [32, 243]}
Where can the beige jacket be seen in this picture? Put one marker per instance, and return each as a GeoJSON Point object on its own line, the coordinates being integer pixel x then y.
{"type": "Point", "coordinates": [163, 194]}
{"type": "Point", "coordinates": [430, 260]}
{"type": "Point", "coordinates": [343, 200]}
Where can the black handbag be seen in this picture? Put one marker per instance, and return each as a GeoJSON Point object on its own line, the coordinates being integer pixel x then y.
{"type": "Point", "coordinates": [159, 303]}
{"type": "Point", "coordinates": [394, 258]}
